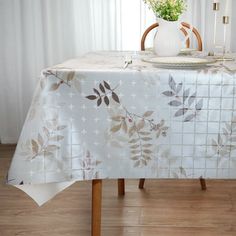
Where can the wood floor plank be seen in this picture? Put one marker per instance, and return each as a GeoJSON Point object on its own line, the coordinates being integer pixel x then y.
{"type": "Point", "coordinates": [163, 207]}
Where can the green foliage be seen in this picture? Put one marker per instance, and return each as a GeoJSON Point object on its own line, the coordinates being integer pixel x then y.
{"type": "Point", "coordinates": [169, 10]}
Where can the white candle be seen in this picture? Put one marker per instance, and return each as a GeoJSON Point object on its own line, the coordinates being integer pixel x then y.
{"type": "Point", "coordinates": [227, 8]}
{"type": "Point", "coordinates": [215, 23]}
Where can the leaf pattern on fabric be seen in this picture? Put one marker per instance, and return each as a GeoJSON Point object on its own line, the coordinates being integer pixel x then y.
{"type": "Point", "coordinates": [138, 128]}
{"type": "Point", "coordinates": [70, 79]}
{"type": "Point", "coordinates": [225, 141]}
{"type": "Point", "coordinates": [104, 95]}
{"type": "Point", "coordinates": [89, 167]}
{"type": "Point", "coordinates": [179, 173]}
{"type": "Point", "coordinates": [45, 143]}
{"type": "Point", "coordinates": [189, 106]}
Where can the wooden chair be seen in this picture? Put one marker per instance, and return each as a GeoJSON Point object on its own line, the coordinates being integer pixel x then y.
{"type": "Point", "coordinates": [183, 29]}
{"type": "Point", "coordinates": [199, 40]}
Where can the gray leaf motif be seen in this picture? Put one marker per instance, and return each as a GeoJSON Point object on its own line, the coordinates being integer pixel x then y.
{"type": "Point", "coordinates": [172, 83]}
{"type": "Point", "coordinates": [181, 112]}
{"type": "Point", "coordinates": [186, 94]}
{"type": "Point", "coordinates": [189, 117]}
{"type": "Point", "coordinates": [192, 98]}
{"type": "Point", "coordinates": [225, 131]}
{"type": "Point", "coordinates": [199, 105]}
{"type": "Point", "coordinates": [175, 103]}
{"type": "Point", "coordinates": [179, 87]}
{"type": "Point", "coordinates": [214, 143]}
{"type": "Point", "coordinates": [169, 93]}
{"type": "Point", "coordinates": [220, 141]}
{"type": "Point", "coordinates": [228, 126]}
{"type": "Point", "coordinates": [182, 171]}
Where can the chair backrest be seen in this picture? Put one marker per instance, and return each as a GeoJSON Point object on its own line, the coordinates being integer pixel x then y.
{"type": "Point", "coordinates": [184, 24]}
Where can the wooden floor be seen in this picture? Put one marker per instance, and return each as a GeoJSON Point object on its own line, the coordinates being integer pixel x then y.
{"type": "Point", "coordinates": [163, 208]}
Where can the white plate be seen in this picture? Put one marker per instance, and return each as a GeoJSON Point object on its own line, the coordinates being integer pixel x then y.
{"type": "Point", "coordinates": [179, 62]}
{"type": "Point", "coordinates": [223, 58]}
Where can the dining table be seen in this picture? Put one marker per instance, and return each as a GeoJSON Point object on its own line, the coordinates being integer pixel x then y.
{"type": "Point", "coordinates": [120, 115]}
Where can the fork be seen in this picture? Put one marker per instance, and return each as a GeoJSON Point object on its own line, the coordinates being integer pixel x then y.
{"type": "Point", "coordinates": [128, 61]}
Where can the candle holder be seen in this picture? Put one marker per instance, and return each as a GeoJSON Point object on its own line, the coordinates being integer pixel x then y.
{"type": "Point", "coordinates": [225, 21]}
{"type": "Point", "coordinates": [216, 8]}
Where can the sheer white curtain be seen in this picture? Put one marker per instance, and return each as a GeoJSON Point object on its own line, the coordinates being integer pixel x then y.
{"type": "Point", "coordinates": [34, 34]}
{"type": "Point", "coordinates": [37, 34]}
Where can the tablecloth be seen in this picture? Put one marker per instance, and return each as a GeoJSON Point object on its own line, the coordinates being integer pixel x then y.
{"type": "Point", "coordinates": [92, 119]}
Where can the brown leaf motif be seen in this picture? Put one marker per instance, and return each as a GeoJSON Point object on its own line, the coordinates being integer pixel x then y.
{"type": "Point", "coordinates": [35, 146]}
{"type": "Point", "coordinates": [70, 76]}
{"type": "Point", "coordinates": [106, 100]}
{"type": "Point", "coordinates": [54, 86]}
{"type": "Point", "coordinates": [91, 97]}
{"type": "Point", "coordinates": [64, 78]}
{"type": "Point", "coordinates": [102, 88]}
{"type": "Point", "coordinates": [140, 130]}
{"type": "Point", "coordinates": [148, 113]}
{"type": "Point", "coordinates": [115, 97]}
{"type": "Point", "coordinates": [99, 101]}
{"type": "Point", "coordinates": [107, 93]}
{"type": "Point", "coordinates": [46, 142]}
{"type": "Point", "coordinates": [107, 86]}
{"type": "Point", "coordinates": [116, 128]}
{"type": "Point", "coordinates": [96, 91]}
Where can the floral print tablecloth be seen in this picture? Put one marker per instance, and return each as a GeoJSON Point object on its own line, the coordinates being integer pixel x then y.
{"type": "Point", "coordinates": [91, 118]}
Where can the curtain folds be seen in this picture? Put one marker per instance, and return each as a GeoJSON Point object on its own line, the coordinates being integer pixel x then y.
{"type": "Point", "coordinates": [37, 34]}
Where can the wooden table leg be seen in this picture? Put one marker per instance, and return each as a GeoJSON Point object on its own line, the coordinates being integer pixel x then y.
{"type": "Point", "coordinates": [141, 183]}
{"type": "Point", "coordinates": [121, 187]}
{"type": "Point", "coordinates": [203, 183]}
{"type": "Point", "coordinates": [96, 207]}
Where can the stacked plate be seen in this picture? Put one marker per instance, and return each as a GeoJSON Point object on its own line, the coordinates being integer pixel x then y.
{"type": "Point", "coordinates": [179, 62]}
